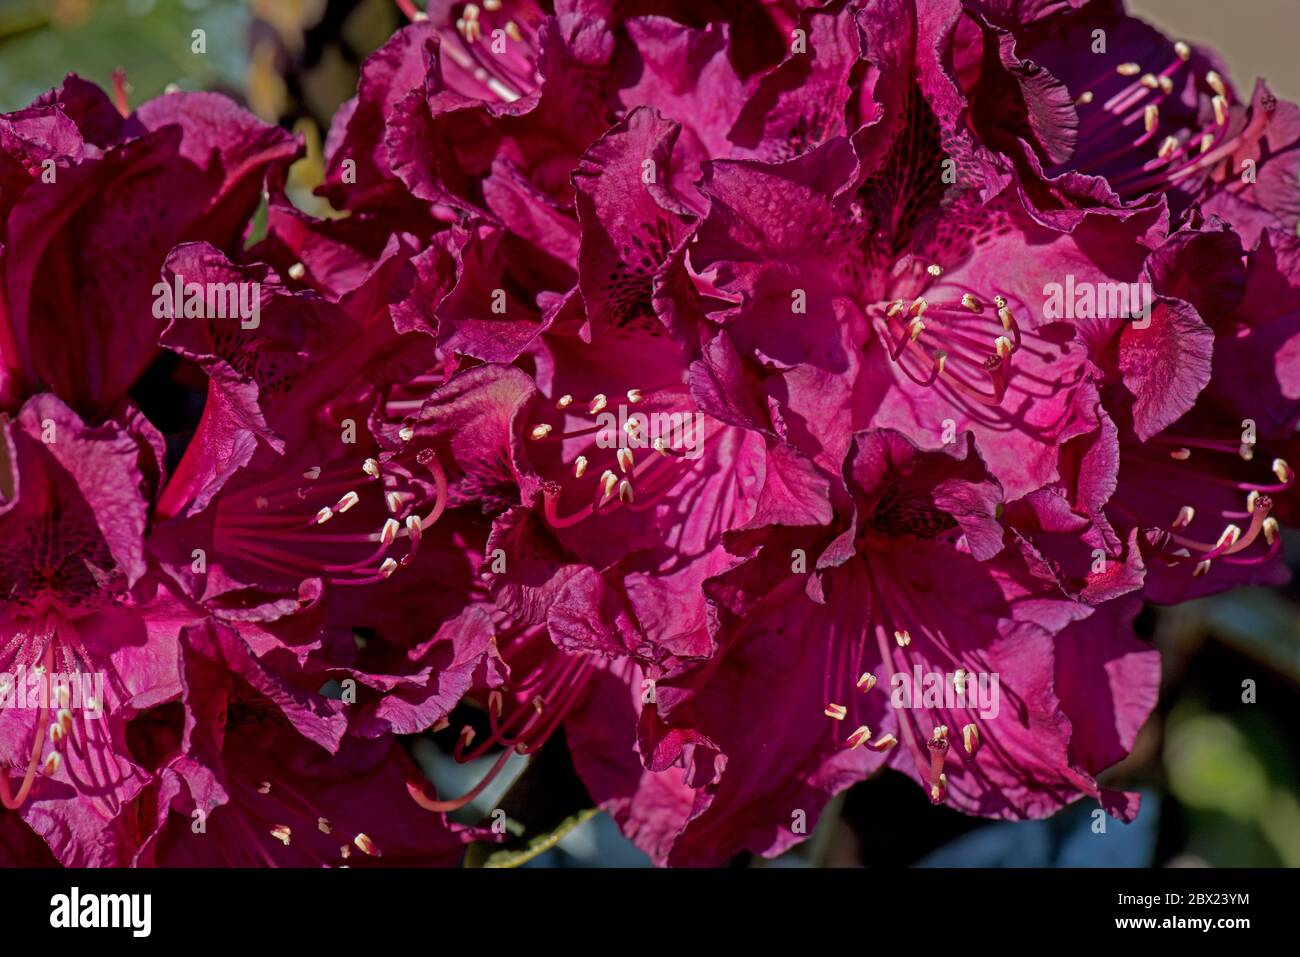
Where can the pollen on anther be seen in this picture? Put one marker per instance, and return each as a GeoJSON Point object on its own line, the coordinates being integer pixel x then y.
{"type": "Point", "coordinates": [1185, 516]}
{"type": "Point", "coordinates": [1181, 454]}
{"type": "Point", "coordinates": [1003, 345]}
{"type": "Point", "coordinates": [1128, 69]}
{"type": "Point", "coordinates": [388, 534]}
{"type": "Point", "coordinates": [297, 271]}
{"type": "Point", "coordinates": [1282, 470]}
{"type": "Point", "coordinates": [866, 682]}
{"type": "Point", "coordinates": [903, 637]}
{"type": "Point", "coordinates": [53, 763]}
{"type": "Point", "coordinates": [934, 269]}
{"type": "Point", "coordinates": [579, 466]}
{"type": "Point", "coordinates": [1220, 104]}
{"type": "Point", "coordinates": [347, 501]}
{"type": "Point", "coordinates": [540, 431]}
{"type": "Point", "coordinates": [1228, 536]}
{"type": "Point", "coordinates": [324, 515]}
{"type": "Point", "coordinates": [1183, 51]}
{"type": "Point", "coordinates": [598, 404]}
{"type": "Point", "coordinates": [625, 460]}
{"type": "Point", "coordinates": [406, 433]}
{"type": "Point", "coordinates": [1150, 117]}
{"type": "Point", "coordinates": [388, 567]}
{"type": "Point", "coordinates": [634, 396]}
{"type": "Point", "coordinates": [1000, 301]}
{"type": "Point", "coordinates": [970, 738]}
{"type": "Point", "coordinates": [895, 307]}
{"type": "Point", "coordinates": [836, 711]}
{"type": "Point", "coordinates": [366, 845]}
{"type": "Point", "coordinates": [858, 738]}
{"type": "Point", "coordinates": [264, 788]}
{"type": "Point", "coordinates": [971, 303]}
{"type": "Point", "coordinates": [625, 492]}
{"type": "Point", "coordinates": [1270, 529]}
{"type": "Point", "coordinates": [1084, 98]}
{"type": "Point", "coordinates": [564, 401]}
{"type": "Point", "coordinates": [282, 833]}
{"type": "Point", "coordinates": [1215, 83]}
{"type": "Point", "coordinates": [370, 467]}
{"type": "Point", "coordinates": [1201, 568]}
{"type": "Point", "coordinates": [1149, 81]}
{"type": "Point", "coordinates": [394, 502]}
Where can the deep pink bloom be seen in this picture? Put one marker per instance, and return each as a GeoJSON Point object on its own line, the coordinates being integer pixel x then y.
{"type": "Point", "coordinates": [79, 602]}
{"type": "Point", "coordinates": [93, 202]}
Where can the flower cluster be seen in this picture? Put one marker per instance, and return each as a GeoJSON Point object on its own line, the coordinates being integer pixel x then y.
{"type": "Point", "coordinates": [762, 394]}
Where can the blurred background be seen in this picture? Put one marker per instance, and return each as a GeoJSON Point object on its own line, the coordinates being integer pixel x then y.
{"type": "Point", "coordinates": [1220, 777]}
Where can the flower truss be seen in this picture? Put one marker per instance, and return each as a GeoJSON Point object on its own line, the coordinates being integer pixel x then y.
{"type": "Point", "coordinates": [760, 395]}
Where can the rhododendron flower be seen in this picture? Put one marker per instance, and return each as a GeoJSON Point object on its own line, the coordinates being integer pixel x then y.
{"type": "Point", "coordinates": [94, 199]}
{"type": "Point", "coordinates": [79, 602]}
{"type": "Point", "coordinates": [751, 396]}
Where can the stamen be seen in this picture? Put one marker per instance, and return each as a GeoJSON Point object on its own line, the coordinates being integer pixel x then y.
{"type": "Point", "coordinates": [866, 682]}
{"type": "Point", "coordinates": [970, 739]}
{"type": "Point", "coordinates": [903, 637]}
{"type": "Point", "coordinates": [836, 711]}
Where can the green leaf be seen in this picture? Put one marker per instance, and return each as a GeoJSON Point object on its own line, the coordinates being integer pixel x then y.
{"type": "Point", "coordinates": [484, 855]}
{"type": "Point", "coordinates": [546, 802]}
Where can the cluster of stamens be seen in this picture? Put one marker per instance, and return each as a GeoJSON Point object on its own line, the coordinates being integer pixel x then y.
{"type": "Point", "coordinates": [932, 338]}
{"type": "Point", "coordinates": [1233, 540]}
{"type": "Point", "coordinates": [1137, 105]}
{"type": "Point", "coordinates": [491, 46]}
{"type": "Point", "coordinates": [627, 481]}
{"type": "Point", "coordinates": [280, 524]}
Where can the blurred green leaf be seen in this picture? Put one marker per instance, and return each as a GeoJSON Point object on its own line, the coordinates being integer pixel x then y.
{"type": "Point", "coordinates": [150, 39]}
